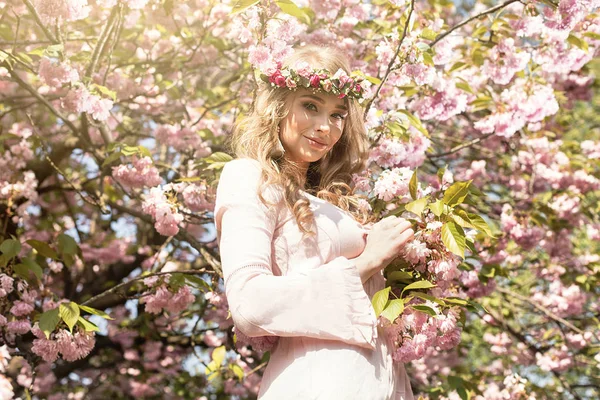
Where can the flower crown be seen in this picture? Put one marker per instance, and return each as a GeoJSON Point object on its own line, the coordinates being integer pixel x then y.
{"type": "Point", "coordinates": [340, 84]}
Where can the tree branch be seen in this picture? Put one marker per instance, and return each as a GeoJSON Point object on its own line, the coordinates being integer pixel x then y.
{"type": "Point", "coordinates": [466, 21]}
{"type": "Point", "coordinates": [38, 20]}
{"type": "Point", "coordinates": [392, 61]}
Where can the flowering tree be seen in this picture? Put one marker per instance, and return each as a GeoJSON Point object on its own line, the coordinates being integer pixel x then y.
{"type": "Point", "coordinates": [113, 119]}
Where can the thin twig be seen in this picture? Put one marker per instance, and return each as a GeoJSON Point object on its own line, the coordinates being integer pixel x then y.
{"type": "Point", "coordinates": [543, 309]}
{"type": "Point", "coordinates": [462, 146]}
{"type": "Point", "coordinates": [37, 18]}
{"type": "Point", "coordinates": [392, 61]}
{"type": "Point", "coordinates": [138, 278]}
{"type": "Point", "coordinates": [466, 21]}
{"type": "Point", "coordinates": [101, 42]}
{"type": "Point", "coordinates": [38, 96]}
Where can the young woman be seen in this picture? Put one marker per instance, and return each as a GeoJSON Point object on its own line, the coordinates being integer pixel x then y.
{"type": "Point", "coordinates": [301, 267]}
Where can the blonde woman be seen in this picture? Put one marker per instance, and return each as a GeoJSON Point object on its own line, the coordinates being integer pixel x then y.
{"type": "Point", "coordinates": [298, 264]}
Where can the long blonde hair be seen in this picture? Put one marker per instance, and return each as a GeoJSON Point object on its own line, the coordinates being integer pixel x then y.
{"type": "Point", "coordinates": [330, 178]}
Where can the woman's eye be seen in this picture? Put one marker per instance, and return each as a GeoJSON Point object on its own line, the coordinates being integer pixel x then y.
{"type": "Point", "coordinates": [339, 116]}
{"type": "Point", "coordinates": [310, 106]}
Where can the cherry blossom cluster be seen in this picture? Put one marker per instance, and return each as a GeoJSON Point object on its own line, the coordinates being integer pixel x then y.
{"type": "Point", "coordinates": [71, 346]}
{"type": "Point", "coordinates": [143, 173]}
{"type": "Point", "coordinates": [162, 297]}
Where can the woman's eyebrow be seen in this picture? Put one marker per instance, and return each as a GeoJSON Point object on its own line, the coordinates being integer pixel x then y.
{"type": "Point", "coordinates": [320, 100]}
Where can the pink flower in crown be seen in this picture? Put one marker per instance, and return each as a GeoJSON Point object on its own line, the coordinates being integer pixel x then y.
{"type": "Point", "coordinates": [357, 88]}
{"type": "Point", "coordinates": [342, 77]}
{"type": "Point", "coordinates": [289, 82]}
{"type": "Point", "coordinates": [277, 79]}
{"type": "Point", "coordinates": [327, 85]}
{"type": "Point", "coordinates": [303, 69]}
{"type": "Point", "coordinates": [315, 80]}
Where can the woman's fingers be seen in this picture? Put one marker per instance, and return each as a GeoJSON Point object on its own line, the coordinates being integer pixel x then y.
{"type": "Point", "coordinates": [405, 237]}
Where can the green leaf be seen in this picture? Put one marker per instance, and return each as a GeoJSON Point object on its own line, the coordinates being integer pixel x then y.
{"type": "Point", "coordinates": [456, 193]}
{"type": "Point", "coordinates": [69, 313]}
{"type": "Point", "coordinates": [67, 245]}
{"type": "Point", "coordinates": [237, 371]}
{"type": "Point", "coordinates": [441, 172]}
{"type": "Point", "coordinates": [417, 206]}
{"type": "Point", "coordinates": [218, 355]}
{"type": "Point", "coordinates": [413, 185]}
{"type": "Point", "coordinates": [111, 158]}
{"type": "Point", "coordinates": [418, 285]}
{"type": "Point", "coordinates": [21, 270]}
{"type": "Point", "coordinates": [437, 208]}
{"type": "Point", "coordinates": [106, 91]}
{"type": "Point", "coordinates": [456, 301]}
{"type": "Point", "coordinates": [10, 248]}
{"type": "Point", "coordinates": [241, 5]}
{"type": "Point", "coordinates": [416, 122]}
{"type": "Point", "coordinates": [292, 9]}
{"type": "Point", "coordinates": [218, 157]}
{"type": "Point", "coordinates": [480, 224]}
{"type": "Point", "coordinates": [577, 42]}
{"type": "Point", "coordinates": [457, 66]}
{"type": "Point", "coordinates": [428, 34]}
{"type": "Point", "coordinates": [425, 309]}
{"type": "Point", "coordinates": [465, 86]}
{"type": "Point", "coordinates": [393, 310]}
{"type": "Point", "coordinates": [34, 267]}
{"type": "Point", "coordinates": [400, 276]}
{"type": "Point", "coordinates": [461, 218]}
{"type": "Point", "coordinates": [212, 370]}
{"type": "Point", "coordinates": [88, 326]}
{"type": "Point", "coordinates": [94, 311]}
{"type": "Point", "coordinates": [190, 179]}
{"type": "Point", "coordinates": [428, 297]}
{"type": "Point", "coordinates": [48, 321]}
{"type": "Point", "coordinates": [43, 249]}
{"type": "Point", "coordinates": [197, 281]}
{"type": "Point", "coordinates": [380, 299]}
{"type": "Point", "coordinates": [454, 238]}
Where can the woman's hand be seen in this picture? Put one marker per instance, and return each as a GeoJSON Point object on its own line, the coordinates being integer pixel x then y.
{"type": "Point", "coordinates": [385, 241]}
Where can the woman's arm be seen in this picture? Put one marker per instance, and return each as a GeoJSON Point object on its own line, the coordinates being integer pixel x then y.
{"type": "Point", "coordinates": [328, 302]}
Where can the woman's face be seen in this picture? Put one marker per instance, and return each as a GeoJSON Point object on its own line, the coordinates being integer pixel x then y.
{"type": "Point", "coordinates": [313, 125]}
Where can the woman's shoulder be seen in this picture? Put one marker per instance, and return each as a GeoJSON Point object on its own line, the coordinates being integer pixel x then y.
{"type": "Point", "coordinates": [244, 174]}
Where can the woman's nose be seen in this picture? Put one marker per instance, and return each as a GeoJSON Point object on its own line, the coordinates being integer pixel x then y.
{"type": "Point", "coordinates": [322, 124]}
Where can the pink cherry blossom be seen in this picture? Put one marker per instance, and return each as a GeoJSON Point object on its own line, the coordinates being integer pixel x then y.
{"type": "Point", "coordinates": [73, 347]}
{"type": "Point", "coordinates": [59, 11]}
{"type": "Point", "coordinates": [393, 183]}
{"type": "Point", "coordinates": [19, 327]}
{"type": "Point", "coordinates": [504, 61]}
{"type": "Point", "coordinates": [55, 74]}
{"type": "Point", "coordinates": [20, 308]}
{"type": "Point", "coordinates": [142, 173]}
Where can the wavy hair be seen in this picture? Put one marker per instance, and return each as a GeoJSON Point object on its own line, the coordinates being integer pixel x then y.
{"type": "Point", "coordinates": [330, 178]}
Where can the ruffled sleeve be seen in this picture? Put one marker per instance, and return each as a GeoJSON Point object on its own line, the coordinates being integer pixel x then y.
{"type": "Point", "coordinates": [328, 302]}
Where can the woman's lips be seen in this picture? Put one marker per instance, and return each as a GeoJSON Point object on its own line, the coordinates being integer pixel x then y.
{"type": "Point", "coordinates": [315, 143]}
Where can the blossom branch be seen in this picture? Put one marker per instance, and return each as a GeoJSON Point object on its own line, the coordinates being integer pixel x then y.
{"type": "Point", "coordinates": [466, 21]}
{"type": "Point", "coordinates": [543, 309]}
{"type": "Point", "coordinates": [181, 235]}
{"type": "Point", "coordinates": [122, 285]}
{"type": "Point", "coordinates": [102, 39]}
{"type": "Point", "coordinates": [38, 96]}
{"type": "Point", "coordinates": [392, 61]}
{"type": "Point", "coordinates": [462, 146]}
{"type": "Point", "coordinates": [34, 42]}
{"type": "Point", "coordinates": [38, 20]}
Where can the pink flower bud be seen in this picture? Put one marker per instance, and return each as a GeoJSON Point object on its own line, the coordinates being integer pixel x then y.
{"type": "Point", "coordinates": [315, 80]}
{"type": "Point", "coordinates": [289, 82]}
